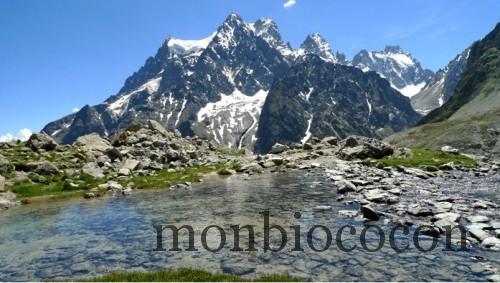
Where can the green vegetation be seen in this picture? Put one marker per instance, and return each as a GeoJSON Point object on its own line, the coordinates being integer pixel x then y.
{"type": "Point", "coordinates": [60, 186]}
{"type": "Point", "coordinates": [166, 178]}
{"type": "Point", "coordinates": [425, 157]}
{"type": "Point", "coordinates": [56, 186]}
{"type": "Point", "coordinates": [185, 275]}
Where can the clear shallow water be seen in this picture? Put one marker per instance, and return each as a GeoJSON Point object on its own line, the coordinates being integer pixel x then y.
{"type": "Point", "coordinates": [80, 238]}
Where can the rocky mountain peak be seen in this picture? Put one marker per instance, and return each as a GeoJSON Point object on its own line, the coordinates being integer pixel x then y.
{"type": "Point", "coordinates": [398, 66]}
{"type": "Point", "coordinates": [393, 49]}
{"type": "Point", "coordinates": [316, 44]}
{"type": "Point", "coordinates": [214, 87]}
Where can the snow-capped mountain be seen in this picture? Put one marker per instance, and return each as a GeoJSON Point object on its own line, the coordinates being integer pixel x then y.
{"type": "Point", "coordinates": [397, 66]}
{"type": "Point", "coordinates": [315, 44]}
{"type": "Point", "coordinates": [214, 88]}
{"type": "Point", "coordinates": [442, 86]}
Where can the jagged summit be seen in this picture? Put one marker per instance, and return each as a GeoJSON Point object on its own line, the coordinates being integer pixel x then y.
{"type": "Point", "coordinates": [214, 87]}
{"type": "Point", "coordinates": [315, 44]}
{"type": "Point", "coordinates": [397, 66]}
{"type": "Point", "coordinates": [393, 49]}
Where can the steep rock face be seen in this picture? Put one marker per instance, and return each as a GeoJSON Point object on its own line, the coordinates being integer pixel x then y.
{"type": "Point", "coordinates": [214, 87]}
{"type": "Point", "coordinates": [316, 44]}
{"type": "Point", "coordinates": [442, 86]}
{"type": "Point", "coordinates": [397, 66]}
{"type": "Point", "coordinates": [318, 98]}
{"type": "Point", "coordinates": [470, 119]}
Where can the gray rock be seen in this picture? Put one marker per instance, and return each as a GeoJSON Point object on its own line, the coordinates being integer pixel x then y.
{"type": "Point", "coordinates": [494, 278]}
{"type": "Point", "coordinates": [495, 224]}
{"type": "Point", "coordinates": [366, 148]}
{"type": "Point", "coordinates": [449, 149]}
{"type": "Point", "coordinates": [345, 186]}
{"type": "Point", "coordinates": [376, 195]}
{"type": "Point", "coordinates": [130, 164]}
{"type": "Point", "coordinates": [267, 164]}
{"type": "Point", "coordinates": [307, 146]}
{"type": "Point", "coordinates": [477, 232]}
{"type": "Point", "coordinates": [93, 143]}
{"type": "Point", "coordinates": [447, 167]}
{"type": "Point", "coordinates": [347, 213]}
{"type": "Point", "coordinates": [38, 141]}
{"type": "Point", "coordinates": [93, 170]}
{"type": "Point", "coordinates": [330, 141]}
{"type": "Point", "coordinates": [278, 148]}
{"type": "Point", "coordinates": [8, 200]}
{"type": "Point", "coordinates": [90, 195]}
{"type": "Point", "coordinates": [155, 126]}
{"type": "Point", "coordinates": [419, 210]}
{"type": "Point", "coordinates": [113, 153]}
{"type": "Point", "coordinates": [478, 219]}
{"type": "Point", "coordinates": [46, 168]}
{"type": "Point", "coordinates": [278, 160]}
{"type": "Point", "coordinates": [453, 217]}
{"type": "Point", "coordinates": [2, 183]}
{"type": "Point", "coordinates": [369, 213]}
{"type": "Point", "coordinates": [322, 207]}
{"type": "Point", "coordinates": [114, 186]}
{"type": "Point", "coordinates": [351, 142]}
{"type": "Point", "coordinates": [491, 243]}
{"type": "Point", "coordinates": [124, 172]}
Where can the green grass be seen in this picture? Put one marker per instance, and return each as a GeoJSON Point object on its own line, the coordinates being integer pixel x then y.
{"type": "Point", "coordinates": [55, 185]}
{"type": "Point", "coordinates": [185, 275]}
{"type": "Point", "coordinates": [164, 178]}
{"type": "Point", "coordinates": [58, 186]}
{"type": "Point", "coordinates": [426, 157]}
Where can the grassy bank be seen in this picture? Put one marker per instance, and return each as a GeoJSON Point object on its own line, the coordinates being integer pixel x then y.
{"type": "Point", "coordinates": [62, 186]}
{"type": "Point", "coordinates": [185, 275]}
{"type": "Point", "coordinates": [425, 157]}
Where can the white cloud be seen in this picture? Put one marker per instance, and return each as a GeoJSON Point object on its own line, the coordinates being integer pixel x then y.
{"type": "Point", "coordinates": [289, 4]}
{"type": "Point", "coordinates": [74, 110]}
{"type": "Point", "coordinates": [23, 135]}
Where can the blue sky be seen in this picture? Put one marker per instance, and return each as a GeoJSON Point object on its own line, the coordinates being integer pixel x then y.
{"type": "Point", "coordinates": [58, 55]}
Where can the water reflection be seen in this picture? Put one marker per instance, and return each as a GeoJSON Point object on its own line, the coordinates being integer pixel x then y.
{"type": "Point", "coordinates": [80, 238]}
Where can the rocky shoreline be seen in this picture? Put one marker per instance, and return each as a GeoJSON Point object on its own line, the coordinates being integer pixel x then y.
{"type": "Point", "coordinates": [430, 196]}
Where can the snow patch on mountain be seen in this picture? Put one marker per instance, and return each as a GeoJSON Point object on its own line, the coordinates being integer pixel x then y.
{"type": "Point", "coordinates": [233, 113]}
{"type": "Point", "coordinates": [118, 106]}
{"type": "Point", "coordinates": [183, 47]}
{"type": "Point", "coordinates": [308, 133]}
{"type": "Point", "coordinates": [410, 90]}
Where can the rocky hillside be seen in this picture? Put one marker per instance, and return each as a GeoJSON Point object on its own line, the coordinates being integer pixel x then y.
{"type": "Point", "coordinates": [397, 66]}
{"type": "Point", "coordinates": [442, 86]}
{"type": "Point", "coordinates": [214, 88]}
{"type": "Point", "coordinates": [319, 98]}
{"type": "Point", "coordinates": [470, 119]}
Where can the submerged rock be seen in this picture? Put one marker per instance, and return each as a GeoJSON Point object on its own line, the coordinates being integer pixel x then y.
{"type": "Point", "coordinates": [369, 213]}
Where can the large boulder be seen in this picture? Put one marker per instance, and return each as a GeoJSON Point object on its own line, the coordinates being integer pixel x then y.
{"type": "Point", "coordinates": [130, 164]}
{"type": "Point", "coordinates": [361, 148]}
{"type": "Point", "coordinates": [4, 165]}
{"type": "Point", "coordinates": [38, 141]}
{"type": "Point", "coordinates": [157, 127]}
{"type": "Point", "coordinates": [8, 200]}
{"type": "Point", "coordinates": [46, 168]}
{"type": "Point", "coordinates": [278, 148]}
{"type": "Point", "coordinates": [93, 170]}
{"type": "Point", "coordinates": [93, 143]}
{"type": "Point", "coordinates": [369, 213]}
{"type": "Point", "coordinates": [2, 183]}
